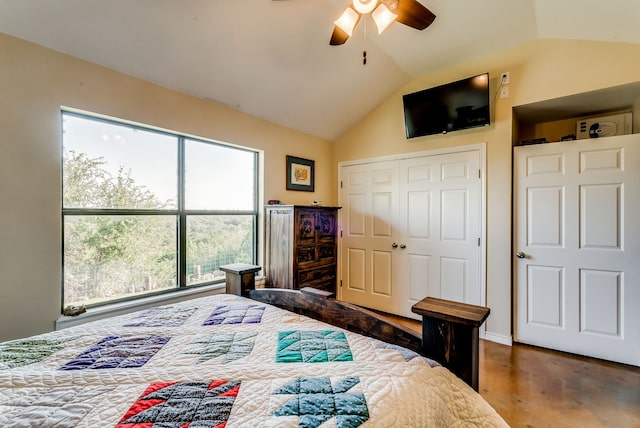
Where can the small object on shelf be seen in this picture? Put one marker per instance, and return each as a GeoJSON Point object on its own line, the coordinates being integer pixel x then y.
{"type": "Point", "coordinates": [568, 137]}
{"type": "Point", "coordinates": [534, 141]}
{"type": "Point", "coordinates": [74, 311]}
{"type": "Point", "coordinates": [604, 126]}
{"type": "Point", "coordinates": [274, 202]}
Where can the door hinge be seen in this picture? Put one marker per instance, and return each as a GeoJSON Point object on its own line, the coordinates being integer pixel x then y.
{"type": "Point", "coordinates": [341, 234]}
{"type": "Point", "coordinates": [478, 242]}
{"type": "Point", "coordinates": [479, 174]}
{"type": "Point", "coordinates": [341, 184]}
{"type": "Point", "coordinates": [340, 283]}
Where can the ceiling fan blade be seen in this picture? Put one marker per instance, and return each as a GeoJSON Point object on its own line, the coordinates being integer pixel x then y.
{"type": "Point", "coordinates": [338, 37]}
{"type": "Point", "coordinates": [414, 14]}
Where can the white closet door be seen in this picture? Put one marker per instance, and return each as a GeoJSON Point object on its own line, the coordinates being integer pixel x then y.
{"type": "Point", "coordinates": [369, 217]}
{"type": "Point", "coordinates": [410, 229]}
{"type": "Point", "coordinates": [577, 240]}
{"type": "Point", "coordinates": [440, 228]}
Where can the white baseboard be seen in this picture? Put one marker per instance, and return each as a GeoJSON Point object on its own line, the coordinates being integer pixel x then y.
{"type": "Point", "coordinates": [497, 338]}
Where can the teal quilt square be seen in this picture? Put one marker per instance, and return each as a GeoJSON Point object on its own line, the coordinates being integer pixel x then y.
{"type": "Point", "coordinates": [297, 346]}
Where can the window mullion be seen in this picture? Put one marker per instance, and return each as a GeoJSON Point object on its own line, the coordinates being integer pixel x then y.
{"type": "Point", "coordinates": [182, 217]}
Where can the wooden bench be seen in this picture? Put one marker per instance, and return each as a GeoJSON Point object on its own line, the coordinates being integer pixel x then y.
{"type": "Point", "coordinates": [450, 335]}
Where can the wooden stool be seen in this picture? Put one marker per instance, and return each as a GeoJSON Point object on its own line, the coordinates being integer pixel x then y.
{"type": "Point", "coordinates": [240, 278]}
{"type": "Point", "coordinates": [450, 335]}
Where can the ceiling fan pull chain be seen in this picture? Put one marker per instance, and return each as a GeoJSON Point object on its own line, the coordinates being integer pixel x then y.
{"type": "Point", "coordinates": [364, 51]}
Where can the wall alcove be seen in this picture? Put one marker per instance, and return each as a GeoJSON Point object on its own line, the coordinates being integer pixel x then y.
{"type": "Point", "coordinates": [555, 118]}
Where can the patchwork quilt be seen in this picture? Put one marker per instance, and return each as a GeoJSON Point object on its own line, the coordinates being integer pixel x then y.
{"type": "Point", "coordinates": [226, 361]}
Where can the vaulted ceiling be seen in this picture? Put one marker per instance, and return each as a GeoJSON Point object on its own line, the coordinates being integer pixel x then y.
{"type": "Point", "coordinates": [272, 59]}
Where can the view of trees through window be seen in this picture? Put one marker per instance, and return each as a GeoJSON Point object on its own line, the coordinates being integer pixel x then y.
{"type": "Point", "coordinates": [146, 211]}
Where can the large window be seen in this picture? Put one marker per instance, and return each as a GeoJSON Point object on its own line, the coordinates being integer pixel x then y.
{"type": "Point", "coordinates": [146, 211]}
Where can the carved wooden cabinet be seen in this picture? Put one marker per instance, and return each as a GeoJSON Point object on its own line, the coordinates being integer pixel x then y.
{"type": "Point", "coordinates": [301, 246]}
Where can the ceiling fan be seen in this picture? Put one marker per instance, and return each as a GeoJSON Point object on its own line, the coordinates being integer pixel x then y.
{"type": "Point", "coordinates": [383, 12]}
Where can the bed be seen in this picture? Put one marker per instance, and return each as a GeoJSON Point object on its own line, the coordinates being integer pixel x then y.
{"type": "Point", "coordinates": [226, 361]}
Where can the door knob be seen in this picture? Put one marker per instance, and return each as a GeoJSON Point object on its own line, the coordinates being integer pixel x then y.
{"type": "Point", "coordinates": [520, 255]}
{"type": "Point", "coordinates": [403, 246]}
{"type": "Point", "coordinates": [394, 245]}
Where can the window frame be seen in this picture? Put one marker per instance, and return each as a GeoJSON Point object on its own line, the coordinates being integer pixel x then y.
{"type": "Point", "coordinates": [180, 213]}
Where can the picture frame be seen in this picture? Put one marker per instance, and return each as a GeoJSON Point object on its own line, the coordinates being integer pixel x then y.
{"type": "Point", "coordinates": [300, 174]}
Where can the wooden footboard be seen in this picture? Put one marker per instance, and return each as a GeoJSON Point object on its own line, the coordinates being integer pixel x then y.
{"type": "Point", "coordinates": [319, 305]}
{"type": "Point", "coordinates": [450, 329]}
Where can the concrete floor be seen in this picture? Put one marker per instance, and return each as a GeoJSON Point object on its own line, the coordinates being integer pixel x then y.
{"type": "Point", "coordinates": [535, 387]}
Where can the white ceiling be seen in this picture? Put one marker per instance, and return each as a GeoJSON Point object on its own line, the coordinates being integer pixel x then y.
{"type": "Point", "coordinates": [272, 59]}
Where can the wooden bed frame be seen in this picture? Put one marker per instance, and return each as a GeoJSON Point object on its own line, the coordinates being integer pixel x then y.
{"type": "Point", "coordinates": [320, 305]}
{"type": "Point", "coordinates": [450, 328]}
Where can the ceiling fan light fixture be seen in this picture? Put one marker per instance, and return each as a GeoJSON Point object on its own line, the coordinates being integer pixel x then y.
{"type": "Point", "coordinates": [383, 17]}
{"type": "Point", "coordinates": [364, 6]}
{"type": "Point", "coordinates": [347, 20]}
{"type": "Point", "coordinates": [384, 12]}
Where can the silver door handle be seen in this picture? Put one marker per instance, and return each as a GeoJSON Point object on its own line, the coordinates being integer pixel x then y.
{"type": "Point", "coordinates": [394, 245]}
{"type": "Point", "coordinates": [403, 246]}
{"type": "Point", "coordinates": [520, 255]}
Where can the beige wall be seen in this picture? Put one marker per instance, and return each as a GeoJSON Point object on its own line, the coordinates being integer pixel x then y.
{"type": "Point", "coordinates": [34, 83]}
{"type": "Point", "coordinates": [541, 70]}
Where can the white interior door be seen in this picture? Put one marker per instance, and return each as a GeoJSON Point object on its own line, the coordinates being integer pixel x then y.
{"type": "Point", "coordinates": [411, 229]}
{"type": "Point", "coordinates": [369, 219]}
{"type": "Point", "coordinates": [440, 228]}
{"type": "Point", "coordinates": [577, 239]}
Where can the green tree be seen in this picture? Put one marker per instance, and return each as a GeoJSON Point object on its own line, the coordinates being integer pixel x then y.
{"type": "Point", "coordinates": [88, 184]}
{"type": "Point", "coordinates": [111, 256]}
{"type": "Point", "coordinates": [217, 240]}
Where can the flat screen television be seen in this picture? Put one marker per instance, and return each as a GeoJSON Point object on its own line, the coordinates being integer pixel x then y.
{"type": "Point", "coordinates": [449, 107]}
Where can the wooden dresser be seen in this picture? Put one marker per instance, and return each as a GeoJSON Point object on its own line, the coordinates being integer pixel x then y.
{"type": "Point", "coordinates": [301, 246]}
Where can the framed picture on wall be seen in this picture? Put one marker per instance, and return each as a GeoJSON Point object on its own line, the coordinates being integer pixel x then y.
{"type": "Point", "coordinates": [300, 174]}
